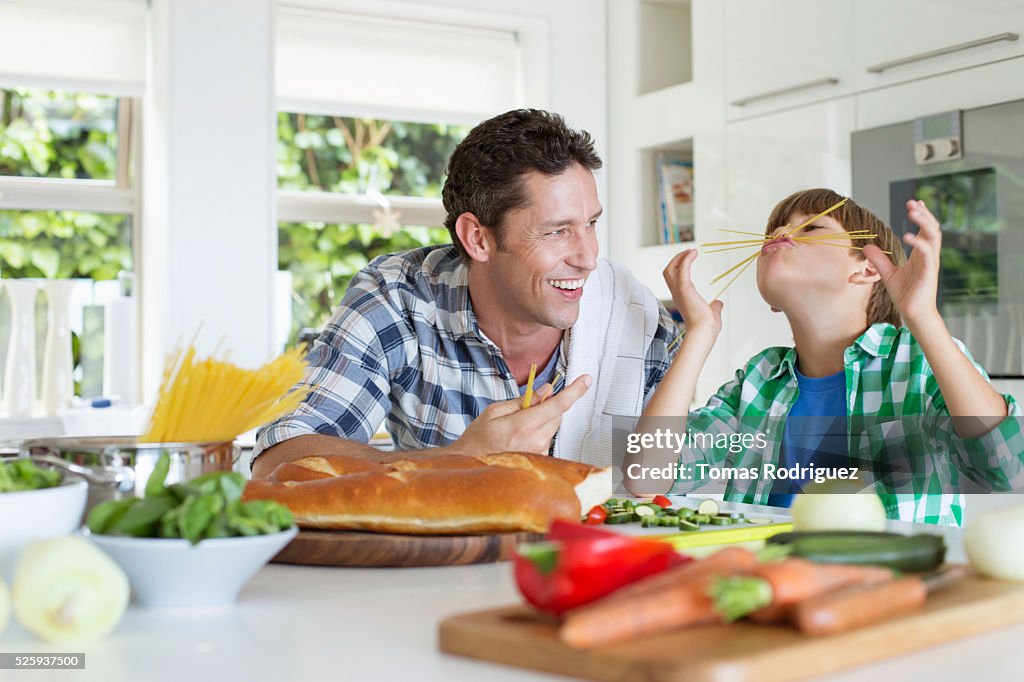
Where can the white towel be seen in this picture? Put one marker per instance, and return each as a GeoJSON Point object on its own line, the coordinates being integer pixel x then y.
{"type": "Point", "coordinates": [617, 322]}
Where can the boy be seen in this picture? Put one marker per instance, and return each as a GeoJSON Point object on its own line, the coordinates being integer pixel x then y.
{"type": "Point", "coordinates": [851, 360]}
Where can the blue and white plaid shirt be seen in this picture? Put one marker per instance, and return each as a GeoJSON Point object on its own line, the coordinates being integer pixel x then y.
{"type": "Point", "coordinates": [404, 346]}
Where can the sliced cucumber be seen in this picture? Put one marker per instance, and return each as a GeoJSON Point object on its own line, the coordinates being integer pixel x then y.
{"type": "Point", "coordinates": [621, 517]}
{"type": "Point", "coordinates": [688, 525]}
{"type": "Point", "coordinates": [643, 510]}
{"type": "Point", "coordinates": [701, 519]}
{"type": "Point", "coordinates": [650, 522]}
{"type": "Point", "coordinates": [721, 520]}
{"type": "Point", "coordinates": [708, 508]}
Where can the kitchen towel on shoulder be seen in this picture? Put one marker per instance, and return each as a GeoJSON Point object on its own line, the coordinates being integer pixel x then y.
{"type": "Point", "coordinates": [617, 323]}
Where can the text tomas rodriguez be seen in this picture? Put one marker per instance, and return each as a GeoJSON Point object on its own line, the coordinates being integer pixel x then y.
{"type": "Point", "coordinates": [702, 471]}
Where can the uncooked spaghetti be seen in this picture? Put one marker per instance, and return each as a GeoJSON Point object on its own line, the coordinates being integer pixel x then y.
{"type": "Point", "coordinates": [213, 400]}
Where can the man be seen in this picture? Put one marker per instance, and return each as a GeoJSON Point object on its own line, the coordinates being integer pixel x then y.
{"type": "Point", "coordinates": [439, 341]}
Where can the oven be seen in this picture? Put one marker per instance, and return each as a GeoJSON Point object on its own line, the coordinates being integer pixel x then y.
{"type": "Point", "coordinates": [968, 167]}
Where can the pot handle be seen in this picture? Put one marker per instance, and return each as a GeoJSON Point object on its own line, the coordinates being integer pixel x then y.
{"type": "Point", "coordinates": [118, 477]}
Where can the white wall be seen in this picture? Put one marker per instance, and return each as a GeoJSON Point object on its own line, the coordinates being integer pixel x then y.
{"type": "Point", "coordinates": [208, 236]}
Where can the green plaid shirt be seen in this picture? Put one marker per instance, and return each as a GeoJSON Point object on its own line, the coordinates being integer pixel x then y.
{"type": "Point", "coordinates": [888, 379]}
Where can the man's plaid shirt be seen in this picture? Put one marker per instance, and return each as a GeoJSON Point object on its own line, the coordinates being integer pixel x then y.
{"type": "Point", "coordinates": [892, 393]}
{"type": "Point", "coordinates": [404, 346]}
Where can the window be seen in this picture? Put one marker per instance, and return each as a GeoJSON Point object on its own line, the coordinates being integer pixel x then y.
{"type": "Point", "coordinates": [371, 107]}
{"type": "Point", "coordinates": [350, 187]}
{"type": "Point", "coordinates": [66, 209]}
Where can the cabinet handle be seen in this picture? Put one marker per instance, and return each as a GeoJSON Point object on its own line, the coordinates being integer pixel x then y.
{"type": "Point", "coordinates": [998, 38]}
{"type": "Point", "coordinates": [829, 80]}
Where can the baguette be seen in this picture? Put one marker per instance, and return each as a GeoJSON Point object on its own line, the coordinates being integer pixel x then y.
{"type": "Point", "coordinates": [443, 494]}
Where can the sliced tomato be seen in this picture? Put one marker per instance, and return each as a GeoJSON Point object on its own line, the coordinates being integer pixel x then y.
{"type": "Point", "coordinates": [662, 501]}
{"type": "Point", "coordinates": [597, 515]}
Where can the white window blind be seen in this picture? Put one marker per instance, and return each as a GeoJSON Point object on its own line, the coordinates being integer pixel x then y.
{"type": "Point", "coordinates": [84, 45]}
{"type": "Point", "coordinates": [332, 62]}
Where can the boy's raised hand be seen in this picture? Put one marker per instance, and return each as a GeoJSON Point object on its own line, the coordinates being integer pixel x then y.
{"type": "Point", "coordinates": [696, 312]}
{"type": "Point", "coordinates": [913, 286]}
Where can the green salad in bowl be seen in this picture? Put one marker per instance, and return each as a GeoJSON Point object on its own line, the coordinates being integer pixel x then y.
{"type": "Point", "coordinates": [205, 508]}
{"type": "Point", "coordinates": [36, 503]}
{"type": "Point", "coordinates": [23, 474]}
{"type": "Point", "coordinates": [192, 544]}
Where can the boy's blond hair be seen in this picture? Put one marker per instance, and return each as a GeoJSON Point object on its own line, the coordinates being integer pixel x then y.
{"type": "Point", "coordinates": [851, 217]}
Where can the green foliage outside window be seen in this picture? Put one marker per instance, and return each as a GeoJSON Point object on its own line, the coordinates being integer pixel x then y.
{"type": "Point", "coordinates": [53, 134]}
{"type": "Point", "coordinates": [61, 136]}
{"type": "Point", "coordinates": [346, 156]}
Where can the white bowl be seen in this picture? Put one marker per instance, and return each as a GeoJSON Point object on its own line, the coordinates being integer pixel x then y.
{"type": "Point", "coordinates": [29, 515]}
{"type": "Point", "coordinates": [166, 573]}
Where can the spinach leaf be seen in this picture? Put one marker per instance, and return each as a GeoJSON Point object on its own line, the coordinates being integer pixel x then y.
{"type": "Point", "coordinates": [155, 482]}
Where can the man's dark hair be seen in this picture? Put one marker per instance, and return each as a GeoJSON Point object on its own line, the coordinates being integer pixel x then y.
{"type": "Point", "coordinates": [487, 169]}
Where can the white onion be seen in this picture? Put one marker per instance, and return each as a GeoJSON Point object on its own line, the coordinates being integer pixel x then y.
{"type": "Point", "coordinates": [995, 543]}
{"type": "Point", "coordinates": [848, 511]}
{"type": "Point", "coordinates": [5, 605]}
{"type": "Point", "coordinates": [67, 590]}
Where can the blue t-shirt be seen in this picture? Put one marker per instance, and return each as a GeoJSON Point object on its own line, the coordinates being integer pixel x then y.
{"type": "Point", "coordinates": [545, 375]}
{"type": "Point", "coordinates": [815, 431]}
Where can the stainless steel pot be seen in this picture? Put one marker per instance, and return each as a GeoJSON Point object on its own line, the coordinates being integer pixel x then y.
{"type": "Point", "coordinates": [118, 467]}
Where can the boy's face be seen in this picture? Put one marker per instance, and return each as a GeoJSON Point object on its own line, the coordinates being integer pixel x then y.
{"type": "Point", "coordinates": [549, 248]}
{"type": "Point", "coordinates": [811, 272]}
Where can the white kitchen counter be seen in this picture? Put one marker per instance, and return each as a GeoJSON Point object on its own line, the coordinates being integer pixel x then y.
{"type": "Point", "coordinates": [304, 623]}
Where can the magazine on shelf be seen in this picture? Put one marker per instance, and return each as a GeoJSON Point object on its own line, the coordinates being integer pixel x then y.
{"type": "Point", "coordinates": [675, 185]}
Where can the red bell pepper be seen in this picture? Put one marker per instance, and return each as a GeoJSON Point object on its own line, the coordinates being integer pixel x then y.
{"type": "Point", "coordinates": [561, 529]}
{"type": "Point", "coordinates": [559, 575]}
{"type": "Point", "coordinates": [662, 501]}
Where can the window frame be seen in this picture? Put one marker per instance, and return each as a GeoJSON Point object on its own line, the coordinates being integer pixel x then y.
{"type": "Point", "coordinates": [18, 193]}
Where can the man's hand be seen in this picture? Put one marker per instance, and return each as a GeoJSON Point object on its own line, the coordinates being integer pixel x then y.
{"type": "Point", "coordinates": [696, 312]}
{"type": "Point", "coordinates": [914, 286]}
{"type": "Point", "coordinates": [507, 426]}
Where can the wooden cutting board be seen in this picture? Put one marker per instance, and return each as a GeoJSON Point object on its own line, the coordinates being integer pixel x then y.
{"type": "Point", "coordinates": [345, 548]}
{"type": "Point", "coordinates": [740, 652]}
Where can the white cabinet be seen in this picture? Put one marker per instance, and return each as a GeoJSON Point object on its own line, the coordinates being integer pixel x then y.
{"type": "Point", "coordinates": [786, 53]}
{"type": "Point", "coordinates": [767, 159]}
{"type": "Point", "coordinates": [900, 41]}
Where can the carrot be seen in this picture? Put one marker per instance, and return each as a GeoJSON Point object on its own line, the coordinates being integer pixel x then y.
{"type": "Point", "coordinates": [728, 561]}
{"type": "Point", "coordinates": [774, 588]}
{"type": "Point", "coordinates": [794, 580]}
{"type": "Point", "coordinates": [858, 606]}
{"type": "Point", "coordinates": [673, 599]}
{"type": "Point", "coordinates": [685, 605]}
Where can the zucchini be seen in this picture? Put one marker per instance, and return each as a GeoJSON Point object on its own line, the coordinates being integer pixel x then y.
{"type": "Point", "coordinates": [708, 508]}
{"type": "Point", "coordinates": [721, 520]}
{"type": "Point", "coordinates": [907, 553]}
{"type": "Point", "coordinates": [701, 519]}
{"type": "Point", "coordinates": [643, 510]}
{"type": "Point", "coordinates": [688, 525]}
{"type": "Point", "coordinates": [620, 517]}
{"type": "Point", "coordinates": [650, 521]}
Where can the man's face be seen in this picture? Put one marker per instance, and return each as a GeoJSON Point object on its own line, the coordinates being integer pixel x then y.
{"type": "Point", "coordinates": [549, 248]}
{"type": "Point", "coordinates": [788, 269]}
